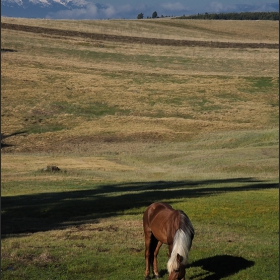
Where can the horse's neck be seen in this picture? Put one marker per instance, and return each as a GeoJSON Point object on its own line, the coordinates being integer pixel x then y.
{"type": "Point", "coordinates": [173, 226]}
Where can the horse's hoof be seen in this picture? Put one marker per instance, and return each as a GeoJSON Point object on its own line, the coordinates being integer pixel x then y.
{"type": "Point", "coordinates": [157, 277]}
{"type": "Point", "coordinates": [148, 278]}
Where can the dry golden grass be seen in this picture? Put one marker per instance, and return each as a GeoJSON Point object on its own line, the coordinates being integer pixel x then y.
{"type": "Point", "coordinates": [211, 30]}
{"type": "Point", "coordinates": [26, 164]}
{"type": "Point", "coordinates": [77, 97]}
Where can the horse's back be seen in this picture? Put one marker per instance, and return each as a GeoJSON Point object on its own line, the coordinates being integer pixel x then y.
{"type": "Point", "coordinates": [157, 210]}
{"type": "Point", "coordinates": [162, 220]}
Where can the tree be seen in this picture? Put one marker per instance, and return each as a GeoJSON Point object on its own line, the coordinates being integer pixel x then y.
{"type": "Point", "coordinates": [140, 16]}
{"type": "Point", "coordinates": [154, 15]}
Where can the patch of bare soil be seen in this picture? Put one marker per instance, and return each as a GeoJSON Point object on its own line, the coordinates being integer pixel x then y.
{"type": "Point", "coordinates": [131, 39]}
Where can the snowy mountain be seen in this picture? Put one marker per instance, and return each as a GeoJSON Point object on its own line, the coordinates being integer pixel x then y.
{"type": "Point", "coordinates": [86, 9]}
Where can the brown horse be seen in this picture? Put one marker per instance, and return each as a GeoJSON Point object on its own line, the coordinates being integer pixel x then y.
{"type": "Point", "coordinates": [164, 225]}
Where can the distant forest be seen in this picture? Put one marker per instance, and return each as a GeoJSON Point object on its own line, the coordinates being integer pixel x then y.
{"type": "Point", "coordinates": [236, 16]}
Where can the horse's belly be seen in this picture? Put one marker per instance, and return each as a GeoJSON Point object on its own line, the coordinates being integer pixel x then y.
{"type": "Point", "coordinates": [161, 238]}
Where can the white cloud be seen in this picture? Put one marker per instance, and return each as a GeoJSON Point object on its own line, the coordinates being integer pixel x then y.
{"type": "Point", "coordinates": [19, 2]}
{"type": "Point", "coordinates": [90, 11]}
{"type": "Point", "coordinates": [218, 7]}
{"type": "Point", "coordinates": [109, 11]}
{"type": "Point", "coordinates": [75, 2]}
{"type": "Point", "coordinates": [174, 6]}
{"type": "Point", "coordinates": [44, 2]}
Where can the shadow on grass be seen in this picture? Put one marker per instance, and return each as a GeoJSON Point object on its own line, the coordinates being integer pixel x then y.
{"type": "Point", "coordinates": [48, 211]}
{"type": "Point", "coordinates": [4, 136]}
{"type": "Point", "coordinates": [7, 50]}
{"type": "Point", "coordinates": [220, 266]}
{"type": "Point", "coordinates": [216, 267]}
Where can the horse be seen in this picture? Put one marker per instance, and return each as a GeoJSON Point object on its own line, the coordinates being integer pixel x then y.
{"type": "Point", "coordinates": [164, 225]}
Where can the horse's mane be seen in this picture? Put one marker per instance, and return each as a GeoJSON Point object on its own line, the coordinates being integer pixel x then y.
{"type": "Point", "coordinates": [182, 242]}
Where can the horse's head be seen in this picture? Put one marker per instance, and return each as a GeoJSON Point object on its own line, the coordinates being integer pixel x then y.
{"type": "Point", "coordinates": [179, 273]}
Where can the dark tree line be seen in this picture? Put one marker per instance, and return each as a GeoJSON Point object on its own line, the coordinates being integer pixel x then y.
{"type": "Point", "coordinates": [141, 15]}
{"type": "Point", "coordinates": [236, 16]}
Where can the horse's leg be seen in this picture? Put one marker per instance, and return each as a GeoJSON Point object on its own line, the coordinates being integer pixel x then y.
{"type": "Point", "coordinates": [148, 240]}
{"type": "Point", "coordinates": [155, 265]}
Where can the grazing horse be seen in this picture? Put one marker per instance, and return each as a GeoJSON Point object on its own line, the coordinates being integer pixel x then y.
{"type": "Point", "coordinates": [164, 225]}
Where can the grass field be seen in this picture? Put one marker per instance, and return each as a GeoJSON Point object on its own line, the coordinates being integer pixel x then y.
{"type": "Point", "coordinates": [131, 123]}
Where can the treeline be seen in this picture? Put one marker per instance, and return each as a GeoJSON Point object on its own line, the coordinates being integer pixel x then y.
{"type": "Point", "coordinates": [236, 16]}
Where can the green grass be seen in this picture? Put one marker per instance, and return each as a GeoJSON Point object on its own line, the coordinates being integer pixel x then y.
{"type": "Point", "coordinates": [89, 109]}
{"type": "Point", "coordinates": [260, 85]}
{"type": "Point", "coordinates": [43, 128]}
{"type": "Point", "coordinates": [235, 221]}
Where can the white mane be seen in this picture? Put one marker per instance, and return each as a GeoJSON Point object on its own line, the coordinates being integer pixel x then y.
{"type": "Point", "coordinates": [181, 244]}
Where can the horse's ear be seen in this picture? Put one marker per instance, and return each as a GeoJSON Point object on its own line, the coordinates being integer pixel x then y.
{"type": "Point", "coordinates": [179, 258]}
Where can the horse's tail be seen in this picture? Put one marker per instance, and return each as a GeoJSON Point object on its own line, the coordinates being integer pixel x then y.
{"type": "Point", "coordinates": [152, 249]}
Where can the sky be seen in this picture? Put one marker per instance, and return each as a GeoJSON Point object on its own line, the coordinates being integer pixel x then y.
{"type": "Point", "coordinates": [129, 9]}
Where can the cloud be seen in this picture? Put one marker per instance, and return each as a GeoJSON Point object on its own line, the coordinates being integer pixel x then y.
{"type": "Point", "coordinates": [83, 9]}
{"type": "Point", "coordinates": [43, 2]}
{"type": "Point", "coordinates": [176, 9]}
{"type": "Point", "coordinates": [97, 11]}
{"type": "Point", "coordinates": [173, 6]}
{"type": "Point", "coordinates": [108, 12]}
{"type": "Point", "coordinates": [90, 11]}
{"type": "Point", "coordinates": [218, 7]}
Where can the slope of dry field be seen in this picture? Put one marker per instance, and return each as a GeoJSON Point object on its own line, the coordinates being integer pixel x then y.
{"type": "Point", "coordinates": [196, 30]}
{"type": "Point", "coordinates": [66, 89]}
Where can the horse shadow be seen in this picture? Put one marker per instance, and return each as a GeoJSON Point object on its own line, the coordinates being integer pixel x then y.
{"type": "Point", "coordinates": [216, 267]}
{"type": "Point", "coordinates": [220, 266]}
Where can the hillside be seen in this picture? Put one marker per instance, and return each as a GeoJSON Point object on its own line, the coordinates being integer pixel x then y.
{"type": "Point", "coordinates": [133, 39]}
{"type": "Point", "coordinates": [111, 87]}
